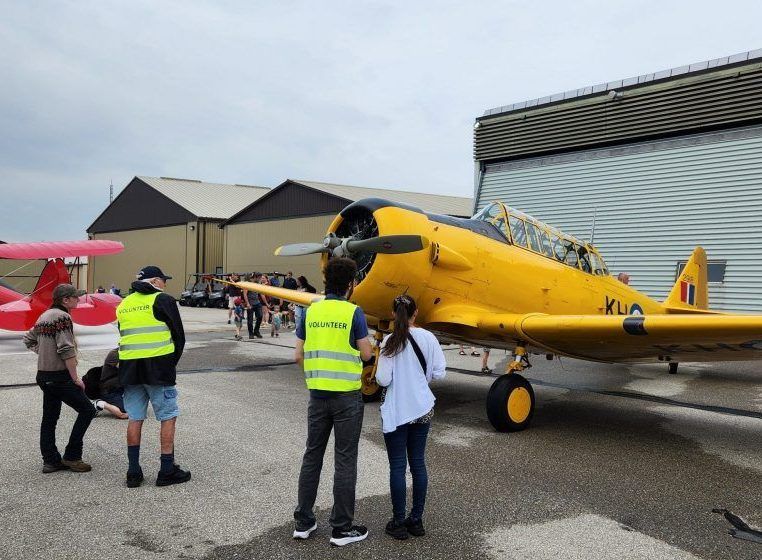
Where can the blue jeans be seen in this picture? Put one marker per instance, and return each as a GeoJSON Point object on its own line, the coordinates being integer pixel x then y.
{"type": "Point", "coordinates": [407, 444]}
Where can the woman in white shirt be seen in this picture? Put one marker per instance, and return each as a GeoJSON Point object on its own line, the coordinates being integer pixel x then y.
{"type": "Point", "coordinates": [410, 359]}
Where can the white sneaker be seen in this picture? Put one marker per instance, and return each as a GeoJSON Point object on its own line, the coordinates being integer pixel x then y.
{"type": "Point", "coordinates": [354, 534]}
{"type": "Point", "coordinates": [306, 533]}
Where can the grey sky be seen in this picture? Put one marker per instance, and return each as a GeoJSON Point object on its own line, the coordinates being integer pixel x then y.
{"type": "Point", "coordinates": [380, 94]}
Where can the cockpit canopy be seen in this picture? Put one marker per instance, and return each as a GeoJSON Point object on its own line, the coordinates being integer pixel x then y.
{"type": "Point", "coordinates": [525, 231]}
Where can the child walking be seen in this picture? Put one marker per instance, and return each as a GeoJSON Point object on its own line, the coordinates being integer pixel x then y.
{"type": "Point", "coordinates": [275, 321]}
{"type": "Point", "coordinates": [238, 317]}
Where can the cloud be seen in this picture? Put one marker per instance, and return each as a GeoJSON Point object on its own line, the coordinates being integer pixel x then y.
{"type": "Point", "coordinates": [366, 93]}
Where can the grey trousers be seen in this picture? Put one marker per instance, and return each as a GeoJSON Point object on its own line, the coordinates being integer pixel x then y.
{"type": "Point", "coordinates": [342, 413]}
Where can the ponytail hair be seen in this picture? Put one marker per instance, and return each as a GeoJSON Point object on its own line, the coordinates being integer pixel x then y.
{"type": "Point", "coordinates": [404, 308]}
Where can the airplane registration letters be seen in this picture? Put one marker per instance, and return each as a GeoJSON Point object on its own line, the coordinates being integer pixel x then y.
{"type": "Point", "coordinates": [610, 302]}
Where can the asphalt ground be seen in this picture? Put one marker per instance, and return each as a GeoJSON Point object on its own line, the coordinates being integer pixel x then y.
{"type": "Point", "coordinates": [620, 462]}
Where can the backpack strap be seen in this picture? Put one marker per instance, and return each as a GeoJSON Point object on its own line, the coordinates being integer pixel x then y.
{"type": "Point", "coordinates": [418, 353]}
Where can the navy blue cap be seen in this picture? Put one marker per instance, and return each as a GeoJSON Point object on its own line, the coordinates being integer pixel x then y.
{"type": "Point", "coordinates": [148, 272]}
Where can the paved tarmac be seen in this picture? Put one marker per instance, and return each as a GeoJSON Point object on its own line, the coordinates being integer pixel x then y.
{"type": "Point", "coordinates": [620, 462]}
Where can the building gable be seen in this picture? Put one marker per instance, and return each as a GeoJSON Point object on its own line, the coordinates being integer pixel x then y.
{"type": "Point", "coordinates": [139, 206]}
{"type": "Point", "coordinates": [290, 200]}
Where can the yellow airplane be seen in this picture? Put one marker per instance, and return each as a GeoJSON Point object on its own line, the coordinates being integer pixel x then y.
{"type": "Point", "coordinates": [503, 279]}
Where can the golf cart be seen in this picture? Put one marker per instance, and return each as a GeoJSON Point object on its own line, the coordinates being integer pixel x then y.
{"type": "Point", "coordinates": [201, 290]}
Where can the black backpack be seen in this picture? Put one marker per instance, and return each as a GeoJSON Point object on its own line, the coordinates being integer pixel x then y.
{"type": "Point", "coordinates": [92, 381]}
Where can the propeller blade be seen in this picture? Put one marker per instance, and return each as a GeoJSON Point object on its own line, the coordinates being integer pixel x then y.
{"type": "Point", "coordinates": [297, 249]}
{"type": "Point", "coordinates": [389, 244]}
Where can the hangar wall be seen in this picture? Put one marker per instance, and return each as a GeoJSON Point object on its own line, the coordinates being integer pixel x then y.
{"type": "Point", "coordinates": [249, 246]}
{"type": "Point", "coordinates": [173, 249]}
{"type": "Point", "coordinates": [16, 269]}
{"type": "Point", "coordinates": [653, 202]}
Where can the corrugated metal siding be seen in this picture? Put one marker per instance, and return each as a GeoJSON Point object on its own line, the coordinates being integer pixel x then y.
{"type": "Point", "coordinates": [249, 247]}
{"type": "Point", "coordinates": [727, 98]}
{"type": "Point", "coordinates": [653, 207]}
{"type": "Point", "coordinates": [213, 246]}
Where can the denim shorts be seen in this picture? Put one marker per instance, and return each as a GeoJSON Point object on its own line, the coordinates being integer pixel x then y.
{"type": "Point", "coordinates": [163, 400]}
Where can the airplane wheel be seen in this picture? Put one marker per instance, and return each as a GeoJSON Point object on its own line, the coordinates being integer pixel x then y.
{"type": "Point", "coordinates": [673, 368]}
{"type": "Point", "coordinates": [510, 403]}
{"type": "Point", "coordinates": [371, 391]}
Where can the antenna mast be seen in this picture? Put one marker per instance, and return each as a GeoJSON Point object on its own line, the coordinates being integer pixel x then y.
{"type": "Point", "coordinates": [592, 229]}
{"type": "Point", "coordinates": [111, 191]}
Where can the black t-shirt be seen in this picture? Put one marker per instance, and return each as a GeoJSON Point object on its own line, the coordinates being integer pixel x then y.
{"type": "Point", "coordinates": [235, 291]}
{"type": "Point", "coordinates": [289, 283]}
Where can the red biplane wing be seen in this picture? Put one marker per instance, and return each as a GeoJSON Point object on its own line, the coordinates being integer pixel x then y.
{"type": "Point", "coordinates": [59, 249]}
{"type": "Point", "coordinates": [22, 311]}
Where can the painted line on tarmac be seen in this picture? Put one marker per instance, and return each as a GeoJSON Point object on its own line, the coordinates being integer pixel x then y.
{"type": "Point", "coordinates": [221, 369]}
{"type": "Point", "coordinates": [230, 369]}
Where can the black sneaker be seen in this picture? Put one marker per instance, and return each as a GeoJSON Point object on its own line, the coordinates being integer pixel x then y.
{"type": "Point", "coordinates": [302, 533]}
{"type": "Point", "coordinates": [258, 335]}
{"type": "Point", "coordinates": [355, 533]}
{"type": "Point", "coordinates": [134, 479]}
{"type": "Point", "coordinates": [251, 336]}
{"type": "Point", "coordinates": [415, 527]}
{"type": "Point", "coordinates": [175, 476]}
{"type": "Point", "coordinates": [396, 529]}
{"type": "Point", "coordinates": [53, 467]}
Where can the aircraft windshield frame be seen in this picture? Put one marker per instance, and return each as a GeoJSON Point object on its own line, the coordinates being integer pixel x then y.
{"type": "Point", "coordinates": [541, 238]}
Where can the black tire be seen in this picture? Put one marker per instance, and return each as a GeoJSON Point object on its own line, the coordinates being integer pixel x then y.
{"type": "Point", "coordinates": [673, 368]}
{"type": "Point", "coordinates": [498, 403]}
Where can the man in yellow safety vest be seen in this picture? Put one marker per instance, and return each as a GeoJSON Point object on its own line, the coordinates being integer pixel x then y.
{"type": "Point", "coordinates": [151, 341]}
{"type": "Point", "coordinates": [332, 341]}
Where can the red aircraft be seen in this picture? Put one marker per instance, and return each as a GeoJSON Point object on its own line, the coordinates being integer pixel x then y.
{"type": "Point", "coordinates": [18, 312]}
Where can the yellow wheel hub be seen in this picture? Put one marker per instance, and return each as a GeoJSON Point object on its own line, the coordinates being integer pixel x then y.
{"type": "Point", "coordinates": [519, 405]}
{"type": "Point", "coordinates": [369, 385]}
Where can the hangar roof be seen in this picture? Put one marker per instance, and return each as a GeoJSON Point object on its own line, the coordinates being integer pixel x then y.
{"type": "Point", "coordinates": [172, 202]}
{"type": "Point", "coordinates": [299, 198]}
{"type": "Point", "coordinates": [435, 203]}
{"type": "Point", "coordinates": [206, 200]}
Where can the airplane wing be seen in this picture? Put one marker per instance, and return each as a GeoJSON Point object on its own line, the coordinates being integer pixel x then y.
{"type": "Point", "coordinates": [299, 298]}
{"type": "Point", "coordinates": [59, 249]}
{"type": "Point", "coordinates": [637, 338]}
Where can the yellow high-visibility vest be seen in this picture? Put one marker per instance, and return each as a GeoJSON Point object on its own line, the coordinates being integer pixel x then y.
{"type": "Point", "coordinates": [330, 361]}
{"type": "Point", "coordinates": [141, 335]}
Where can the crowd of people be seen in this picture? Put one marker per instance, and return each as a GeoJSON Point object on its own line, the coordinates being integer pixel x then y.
{"type": "Point", "coordinates": [332, 344]}
{"type": "Point", "coordinates": [260, 309]}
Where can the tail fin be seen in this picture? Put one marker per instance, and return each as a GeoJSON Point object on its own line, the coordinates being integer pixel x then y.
{"type": "Point", "coordinates": [52, 275]}
{"type": "Point", "coordinates": [690, 292]}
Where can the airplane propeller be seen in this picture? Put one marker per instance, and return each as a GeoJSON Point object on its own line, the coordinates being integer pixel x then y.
{"type": "Point", "coordinates": [338, 247]}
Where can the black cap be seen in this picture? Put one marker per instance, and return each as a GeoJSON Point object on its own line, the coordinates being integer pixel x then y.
{"type": "Point", "coordinates": [148, 272]}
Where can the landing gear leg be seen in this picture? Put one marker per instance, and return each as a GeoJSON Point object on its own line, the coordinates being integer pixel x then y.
{"type": "Point", "coordinates": [673, 368]}
{"type": "Point", "coordinates": [510, 401]}
{"type": "Point", "coordinates": [370, 390]}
